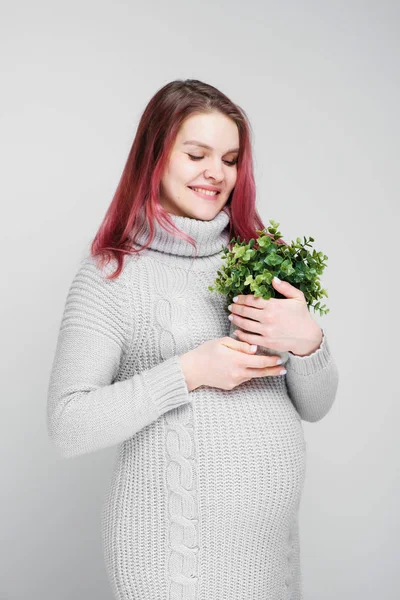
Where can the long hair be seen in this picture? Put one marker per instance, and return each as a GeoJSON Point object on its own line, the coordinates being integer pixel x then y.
{"type": "Point", "coordinates": [137, 194]}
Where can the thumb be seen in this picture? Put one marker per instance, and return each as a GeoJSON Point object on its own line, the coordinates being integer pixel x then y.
{"type": "Point", "coordinates": [287, 289]}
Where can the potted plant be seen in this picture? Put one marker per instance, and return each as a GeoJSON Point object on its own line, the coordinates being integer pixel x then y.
{"type": "Point", "coordinates": [250, 268]}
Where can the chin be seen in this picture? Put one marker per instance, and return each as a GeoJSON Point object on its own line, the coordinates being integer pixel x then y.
{"type": "Point", "coordinates": [206, 215]}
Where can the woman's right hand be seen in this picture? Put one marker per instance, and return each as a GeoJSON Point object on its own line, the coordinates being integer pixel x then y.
{"type": "Point", "coordinates": [225, 363]}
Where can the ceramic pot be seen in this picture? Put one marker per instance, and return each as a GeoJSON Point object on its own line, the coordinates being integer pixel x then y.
{"type": "Point", "coordinates": [260, 349]}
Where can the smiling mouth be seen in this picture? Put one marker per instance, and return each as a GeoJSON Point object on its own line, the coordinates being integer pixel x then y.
{"type": "Point", "coordinates": [204, 193]}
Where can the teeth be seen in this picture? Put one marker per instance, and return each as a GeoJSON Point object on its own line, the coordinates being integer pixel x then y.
{"type": "Point", "coordinates": [207, 192]}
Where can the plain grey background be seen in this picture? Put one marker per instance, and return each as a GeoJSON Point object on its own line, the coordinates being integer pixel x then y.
{"type": "Point", "coordinates": [320, 84]}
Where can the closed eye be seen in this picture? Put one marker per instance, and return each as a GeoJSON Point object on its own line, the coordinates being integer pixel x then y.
{"type": "Point", "coordinates": [230, 163]}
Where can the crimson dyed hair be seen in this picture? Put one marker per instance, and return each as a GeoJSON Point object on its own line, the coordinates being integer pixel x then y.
{"type": "Point", "coordinates": [139, 185]}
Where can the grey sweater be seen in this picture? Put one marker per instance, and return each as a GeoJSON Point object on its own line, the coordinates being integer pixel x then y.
{"type": "Point", "coordinates": [203, 500]}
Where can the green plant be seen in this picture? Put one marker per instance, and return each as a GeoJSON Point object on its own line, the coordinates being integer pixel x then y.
{"type": "Point", "coordinates": [250, 268]}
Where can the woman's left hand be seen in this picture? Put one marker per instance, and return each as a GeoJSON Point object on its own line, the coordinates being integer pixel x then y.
{"type": "Point", "coordinates": [281, 324]}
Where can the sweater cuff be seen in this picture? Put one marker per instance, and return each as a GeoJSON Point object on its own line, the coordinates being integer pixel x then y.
{"type": "Point", "coordinates": [317, 360]}
{"type": "Point", "coordinates": [166, 385]}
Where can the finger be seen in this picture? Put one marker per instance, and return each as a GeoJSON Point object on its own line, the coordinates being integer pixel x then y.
{"type": "Point", "coordinates": [245, 336]}
{"type": "Point", "coordinates": [287, 289]}
{"type": "Point", "coordinates": [247, 324]}
{"type": "Point", "coordinates": [251, 300]}
{"type": "Point", "coordinates": [239, 346]}
{"type": "Point", "coordinates": [267, 372]}
{"type": "Point", "coordinates": [249, 312]}
{"type": "Point", "coordinates": [262, 361]}
{"type": "Point", "coordinates": [256, 339]}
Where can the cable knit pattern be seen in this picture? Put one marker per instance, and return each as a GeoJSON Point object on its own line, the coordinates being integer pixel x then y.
{"type": "Point", "coordinates": [179, 445]}
{"type": "Point", "coordinates": [204, 496]}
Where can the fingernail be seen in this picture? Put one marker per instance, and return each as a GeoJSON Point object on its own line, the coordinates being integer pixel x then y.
{"type": "Point", "coordinates": [283, 372]}
{"type": "Point", "coordinates": [253, 348]}
{"type": "Point", "coordinates": [279, 361]}
{"type": "Point", "coordinates": [277, 280]}
{"type": "Point", "coordinates": [235, 298]}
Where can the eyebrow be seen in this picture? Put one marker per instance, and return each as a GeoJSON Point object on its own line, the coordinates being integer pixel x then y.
{"type": "Point", "coordinates": [196, 143]}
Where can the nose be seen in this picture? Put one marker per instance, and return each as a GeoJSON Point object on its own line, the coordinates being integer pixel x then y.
{"type": "Point", "coordinates": [215, 171]}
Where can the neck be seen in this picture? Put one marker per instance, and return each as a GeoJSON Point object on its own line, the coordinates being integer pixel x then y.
{"type": "Point", "coordinates": [210, 236]}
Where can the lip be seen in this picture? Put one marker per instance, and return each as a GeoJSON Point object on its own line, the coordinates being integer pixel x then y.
{"type": "Point", "coordinates": [205, 196]}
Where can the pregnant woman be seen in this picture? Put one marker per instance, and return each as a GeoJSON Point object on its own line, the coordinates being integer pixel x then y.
{"type": "Point", "coordinates": [204, 496]}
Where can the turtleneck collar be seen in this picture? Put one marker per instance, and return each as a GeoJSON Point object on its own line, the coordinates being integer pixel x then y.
{"type": "Point", "coordinates": [210, 236]}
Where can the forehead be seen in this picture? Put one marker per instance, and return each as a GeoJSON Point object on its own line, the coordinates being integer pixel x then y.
{"type": "Point", "coordinates": [214, 129]}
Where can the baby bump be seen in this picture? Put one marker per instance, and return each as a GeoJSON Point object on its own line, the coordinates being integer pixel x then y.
{"type": "Point", "coordinates": [251, 447]}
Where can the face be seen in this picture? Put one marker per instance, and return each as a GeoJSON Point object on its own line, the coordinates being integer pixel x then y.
{"type": "Point", "coordinates": [204, 155]}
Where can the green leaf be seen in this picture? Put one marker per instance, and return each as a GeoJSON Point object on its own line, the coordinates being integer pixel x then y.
{"type": "Point", "coordinates": [248, 254]}
{"type": "Point", "coordinates": [264, 242]}
{"type": "Point", "coordinates": [273, 260]}
{"type": "Point", "coordinates": [239, 252]}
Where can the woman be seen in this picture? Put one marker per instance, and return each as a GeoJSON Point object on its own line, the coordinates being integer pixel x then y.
{"type": "Point", "coordinates": [204, 497]}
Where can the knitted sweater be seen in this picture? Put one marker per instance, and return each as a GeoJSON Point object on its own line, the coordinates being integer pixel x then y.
{"type": "Point", "coordinates": [204, 496]}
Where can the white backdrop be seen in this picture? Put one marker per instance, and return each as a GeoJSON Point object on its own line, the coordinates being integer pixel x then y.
{"type": "Point", "coordinates": [320, 84]}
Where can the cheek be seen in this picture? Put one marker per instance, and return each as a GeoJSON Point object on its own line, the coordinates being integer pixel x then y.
{"type": "Point", "coordinates": [166, 184]}
{"type": "Point", "coordinates": [232, 179]}
{"type": "Point", "coordinates": [183, 173]}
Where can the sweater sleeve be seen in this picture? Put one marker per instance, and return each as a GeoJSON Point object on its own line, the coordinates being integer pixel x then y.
{"type": "Point", "coordinates": [87, 409]}
{"type": "Point", "coordinates": [312, 382]}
